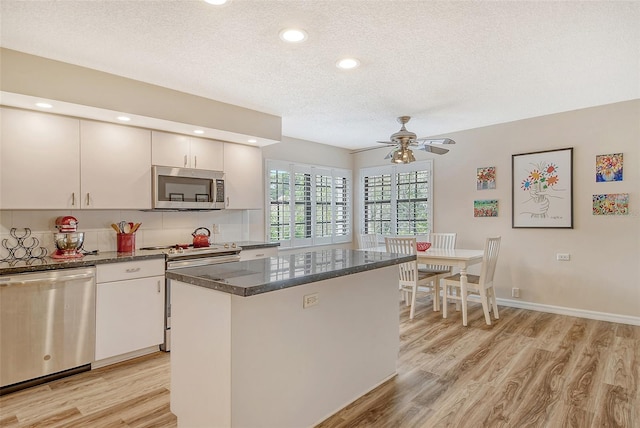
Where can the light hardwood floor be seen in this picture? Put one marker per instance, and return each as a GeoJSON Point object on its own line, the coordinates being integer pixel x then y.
{"type": "Point", "coordinates": [530, 369]}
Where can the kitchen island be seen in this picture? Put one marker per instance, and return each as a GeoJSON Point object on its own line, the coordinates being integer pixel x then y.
{"type": "Point", "coordinates": [284, 341]}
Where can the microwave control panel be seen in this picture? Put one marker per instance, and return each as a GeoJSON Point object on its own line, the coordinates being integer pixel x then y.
{"type": "Point", "coordinates": [219, 190]}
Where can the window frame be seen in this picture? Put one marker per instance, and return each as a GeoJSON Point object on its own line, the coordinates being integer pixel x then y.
{"type": "Point", "coordinates": [393, 171]}
{"type": "Point", "coordinates": [338, 208]}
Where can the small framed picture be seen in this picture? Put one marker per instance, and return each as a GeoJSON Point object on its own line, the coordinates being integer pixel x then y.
{"type": "Point", "coordinates": [609, 167]}
{"type": "Point", "coordinates": [485, 208]}
{"type": "Point", "coordinates": [486, 178]}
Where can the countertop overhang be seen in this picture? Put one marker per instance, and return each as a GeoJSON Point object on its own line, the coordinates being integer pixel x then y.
{"type": "Point", "coordinates": [252, 277]}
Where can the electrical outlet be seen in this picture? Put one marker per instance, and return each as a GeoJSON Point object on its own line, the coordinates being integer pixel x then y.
{"type": "Point", "coordinates": [563, 257]}
{"type": "Point", "coordinates": [215, 229]}
{"type": "Point", "coordinates": [515, 292]}
{"type": "Point", "coordinates": [310, 300]}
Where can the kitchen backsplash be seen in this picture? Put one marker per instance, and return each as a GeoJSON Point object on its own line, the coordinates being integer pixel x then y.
{"type": "Point", "coordinates": [158, 228]}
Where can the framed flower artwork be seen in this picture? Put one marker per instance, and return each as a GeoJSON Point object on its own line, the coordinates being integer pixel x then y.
{"type": "Point", "coordinates": [609, 167]}
{"type": "Point", "coordinates": [542, 189]}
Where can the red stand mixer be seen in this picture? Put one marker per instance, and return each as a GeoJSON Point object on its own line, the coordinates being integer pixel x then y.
{"type": "Point", "coordinates": [68, 240]}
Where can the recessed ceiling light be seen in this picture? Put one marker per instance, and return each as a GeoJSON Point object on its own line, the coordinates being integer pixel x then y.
{"type": "Point", "coordinates": [347, 63]}
{"type": "Point", "coordinates": [124, 118]}
{"type": "Point", "coordinates": [216, 2]}
{"type": "Point", "coordinates": [252, 140]}
{"type": "Point", "coordinates": [44, 105]}
{"type": "Point", "coordinates": [293, 35]}
{"type": "Point", "coordinates": [198, 131]}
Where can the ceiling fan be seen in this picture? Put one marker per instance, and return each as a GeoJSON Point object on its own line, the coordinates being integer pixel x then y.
{"type": "Point", "coordinates": [403, 139]}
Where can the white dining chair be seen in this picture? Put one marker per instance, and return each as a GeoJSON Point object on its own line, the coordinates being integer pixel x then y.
{"type": "Point", "coordinates": [409, 275]}
{"type": "Point", "coordinates": [439, 240]}
{"type": "Point", "coordinates": [476, 284]}
{"type": "Point", "coordinates": [369, 240]}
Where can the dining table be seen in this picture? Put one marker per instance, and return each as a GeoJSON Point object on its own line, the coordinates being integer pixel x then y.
{"type": "Point", "coordinates": [456, 257]}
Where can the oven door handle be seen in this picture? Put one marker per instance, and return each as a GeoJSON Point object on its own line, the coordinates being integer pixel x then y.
{"type": "Point", "coordinates": [203, 261]}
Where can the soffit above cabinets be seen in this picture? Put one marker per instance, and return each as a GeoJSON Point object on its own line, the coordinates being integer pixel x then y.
{"type": "Point", "coordinates": [28, 102]}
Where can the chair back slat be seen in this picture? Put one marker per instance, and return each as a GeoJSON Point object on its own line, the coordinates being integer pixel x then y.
{"type": "Point", "coordinates": [369, 240]}
{"type": "Point", "coordinates": [408, 271]}
{"type": "Point", "coordinates": [490, 259]}
{"type": "Point", "coordinates": [442, 240]}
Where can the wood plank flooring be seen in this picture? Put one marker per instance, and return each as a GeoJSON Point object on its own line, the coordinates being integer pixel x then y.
{"type": "Point", "coordinates": [529, 369]}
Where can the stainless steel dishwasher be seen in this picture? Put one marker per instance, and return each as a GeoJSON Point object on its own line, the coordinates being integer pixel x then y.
{"type": "Point", "coordinates": [47, 326]}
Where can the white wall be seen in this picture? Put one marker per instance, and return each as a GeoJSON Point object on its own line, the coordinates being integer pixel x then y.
{"type": "Point", "coordinates": [604, 272]}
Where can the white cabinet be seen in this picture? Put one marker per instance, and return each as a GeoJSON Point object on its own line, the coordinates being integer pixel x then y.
{"type": "Point", "coordinates": [183, 151]}
{"type": "Point", "coordinates": [258, 253]}
{"type": "Point", "coordinates": [243, 177]}
{"type": "Point", "coordinates": [56, 162]}
{"type": "Point", "coordinates": [40, 161]}
{"type": "Point", "coordinates": [129, 309]}
{"type": "Point", "coordinates": [115, 166]}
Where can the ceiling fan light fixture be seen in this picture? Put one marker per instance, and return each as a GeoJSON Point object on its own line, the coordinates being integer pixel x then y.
{"type": "Point", "coordinates": [402, 155]}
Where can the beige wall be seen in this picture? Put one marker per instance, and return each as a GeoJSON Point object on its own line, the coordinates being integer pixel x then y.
{"type": "Point", "coordinates": [604, 272]}
{"type": "Point", "coordinates": [32, 75]}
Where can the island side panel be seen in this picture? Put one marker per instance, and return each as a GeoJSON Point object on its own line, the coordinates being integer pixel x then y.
{"type": "Point", "coordinates": [200, 356]}
{"type": "Point", "coordinates": [293, 367]}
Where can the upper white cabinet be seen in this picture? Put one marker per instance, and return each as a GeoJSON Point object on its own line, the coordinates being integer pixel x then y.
{"type": "Point", "coordinates": [56, 162]}
{"type": "Point", "coordinates": [243, 177]}
{"type": "Point", "coordinates": [183, 151]}
{"type": "Point", "coordinates": [40, 161]}
{"type": "Point", "coordinates": [115, 166]}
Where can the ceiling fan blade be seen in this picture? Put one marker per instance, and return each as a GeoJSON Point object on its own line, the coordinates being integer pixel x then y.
{"type": "Point", "coordinates": [366, 149]}
{"type": "Point", "coordinates": [436, 140]}
{"type": "Point", "coordinates": [433, 149]}
{"type": "Point", "coordinates": [390, 154]}
{"type": "Point", "coordinates": [385, 142]}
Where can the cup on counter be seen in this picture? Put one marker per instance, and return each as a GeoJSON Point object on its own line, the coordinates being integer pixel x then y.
{"type": "Point", "coordinates": [126, 242]}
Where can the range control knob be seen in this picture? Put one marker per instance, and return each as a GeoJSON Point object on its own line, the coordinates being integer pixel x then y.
{"type": "Point", "coordinates": [233, 245]}
{"type": "Point", "coordinates": [172, 251]}
{"type": "Point", "coordinates": [226, 245]}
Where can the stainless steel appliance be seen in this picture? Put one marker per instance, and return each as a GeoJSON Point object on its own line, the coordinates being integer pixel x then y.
{"type": "Point", "coordinates": [187, 189]}
{"type": "Point", "coordinates": [47, 326]}
{"type": "Point", "coordinates": [181, 256]}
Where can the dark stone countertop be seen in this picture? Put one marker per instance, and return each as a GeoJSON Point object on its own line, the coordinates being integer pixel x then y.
{"type": "Point", "coordinates": [37, 265]}
{"type": "Point", "coordinates": [253, 277]}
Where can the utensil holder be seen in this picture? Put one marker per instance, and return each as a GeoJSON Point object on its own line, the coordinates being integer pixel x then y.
{"type": "Point", "coordinates": [126, 242]}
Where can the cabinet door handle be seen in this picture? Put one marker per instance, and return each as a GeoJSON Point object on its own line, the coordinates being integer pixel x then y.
{"type": "Point", "coordinates": [133, 270]}
{"type": "Point", "coordinates": [88, 197]}
{"type": "Point", "coordinates": [260, 255]}
{"type": "Point", "coordinates": [185, 161]}
{"type": "Point", "coordinates": [227, 201]}
{"type": "Point", "coordinates": [73, 199]}
{"type": "Point", "coordinates": [195, 161]}
{"type": "Point", "coordinates": [158, 286]}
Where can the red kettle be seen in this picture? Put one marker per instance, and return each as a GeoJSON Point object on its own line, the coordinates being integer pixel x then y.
{"type": "Point", "coordinates": [201, 240]}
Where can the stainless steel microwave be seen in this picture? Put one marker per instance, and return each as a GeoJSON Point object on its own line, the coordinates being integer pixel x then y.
{"type": "Point", "coordinates": [187, 188]}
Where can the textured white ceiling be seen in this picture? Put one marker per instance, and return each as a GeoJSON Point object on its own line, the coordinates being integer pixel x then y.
{"type": "Point", "coordinates": [449, 65]}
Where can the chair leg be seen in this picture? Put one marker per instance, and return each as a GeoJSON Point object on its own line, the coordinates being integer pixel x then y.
{"type": "Point", "coordinates": [494, 303]}
{"type": "Point", "coordinates": [485, 305]}
{"type": "Point", "coordinates": [444, 300]}
{"type": "Point", "coordinates": [413, 302]}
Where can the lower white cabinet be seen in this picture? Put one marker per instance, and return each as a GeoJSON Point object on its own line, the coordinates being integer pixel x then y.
{"type": "Point", "coordinates": [129, 309]}
{"type": "Point", "coordinates": [258, 253]}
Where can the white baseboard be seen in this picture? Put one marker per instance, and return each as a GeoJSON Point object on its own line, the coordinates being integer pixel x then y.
{"type": "Point", "coordinates": [580, 313]}
{"type": "Point", "coordinates": [124, 357]}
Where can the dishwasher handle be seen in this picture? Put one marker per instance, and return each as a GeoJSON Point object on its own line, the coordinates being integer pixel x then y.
{"type": "Point", "coordinates": [14, 280]}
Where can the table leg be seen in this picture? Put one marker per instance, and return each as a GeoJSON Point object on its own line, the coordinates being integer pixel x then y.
{"type": "Point", "coordinates": [463, 292]}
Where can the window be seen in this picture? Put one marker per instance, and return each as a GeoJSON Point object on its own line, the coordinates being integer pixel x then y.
{"type": "Point", "coordinates": [308, 205]}
{"type": "Point", "coordinates": [396, 199]}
